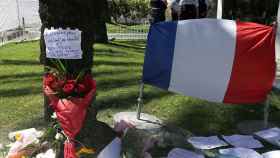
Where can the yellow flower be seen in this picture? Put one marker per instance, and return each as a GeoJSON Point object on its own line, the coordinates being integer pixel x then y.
{"type": "Point", "coordinates": [18, 137]}
{"type": "Point", "coordinates": [86, 150]}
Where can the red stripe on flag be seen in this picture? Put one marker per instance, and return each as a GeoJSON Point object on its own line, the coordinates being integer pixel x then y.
{"type": "Point", "coordinates": [254, 65]}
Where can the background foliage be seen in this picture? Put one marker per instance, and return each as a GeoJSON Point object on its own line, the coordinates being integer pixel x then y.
{"type": "Point", "coordinates": [129, 9]}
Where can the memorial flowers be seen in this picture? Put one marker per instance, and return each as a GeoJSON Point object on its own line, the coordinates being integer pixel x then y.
{"type": "Point", "coordinates": [70, 94]}
{"type": "Point", "coordinates": [64, 84]}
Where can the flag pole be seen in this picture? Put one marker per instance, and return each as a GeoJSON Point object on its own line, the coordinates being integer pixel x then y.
{"type": "Point", "coordinates": [266, 111]}
{"type": "Point", "coordinates": [220, 9]}
{"type": "Point", "coordinates": [140, 101]}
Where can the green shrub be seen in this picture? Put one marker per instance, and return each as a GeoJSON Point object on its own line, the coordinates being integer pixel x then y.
{"type": "Point", "coordinates": [129, 9]}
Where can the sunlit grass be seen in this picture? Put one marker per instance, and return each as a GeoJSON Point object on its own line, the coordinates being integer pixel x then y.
{"type": "Point", "coordinates": [118, 70]}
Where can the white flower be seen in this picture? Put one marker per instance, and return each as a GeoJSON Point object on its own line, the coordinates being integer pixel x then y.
{"type": "Point", "coordinates": [58, 136]}
{"type": "Point", "coordinates": [49, 154]}
{"type": "Point", "coordinates": [1, 147]}
{"type": "Point", "coordinates": [54, 116]}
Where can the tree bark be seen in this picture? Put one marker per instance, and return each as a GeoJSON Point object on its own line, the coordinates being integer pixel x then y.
{"type": "Point", "coordinates": [101, 33]}
{"type": "Point", "coordinates": [100, 28]}
{"type": "Point", "coordinates": [82, 15]}
{"type": "Point", "coordinates": [69, 14]}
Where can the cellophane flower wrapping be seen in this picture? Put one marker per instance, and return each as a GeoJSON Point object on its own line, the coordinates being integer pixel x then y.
{"type": "Point", "coordinates": [70, 110]}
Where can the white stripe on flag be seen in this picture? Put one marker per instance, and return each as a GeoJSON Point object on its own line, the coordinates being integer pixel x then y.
{"type": "Point", "coordinates": [208, 78]}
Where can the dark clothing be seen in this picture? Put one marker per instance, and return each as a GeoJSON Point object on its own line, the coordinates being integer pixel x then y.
{"type": "Point", "coordinates": [174, 6]}
{"type": "Point", "coordinates": [157, 15]}
{"type": "Point", "coordinates": [188, 12]}
{"type": "Point", "coordinates": [158, 8]}
{"type": "Point", "coordinates": [174, 15]}
{"type": "Point", "coordinates": [202, 9]}
{"type": "Point", "coordinates": [158, 4]}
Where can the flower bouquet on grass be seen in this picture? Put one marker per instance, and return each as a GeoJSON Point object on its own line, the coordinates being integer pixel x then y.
{"type": "Point", "coordinates": [70, 94]}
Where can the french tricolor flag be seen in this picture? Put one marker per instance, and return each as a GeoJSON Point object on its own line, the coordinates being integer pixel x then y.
{"type": "Point", "coordinates": [217, 60]}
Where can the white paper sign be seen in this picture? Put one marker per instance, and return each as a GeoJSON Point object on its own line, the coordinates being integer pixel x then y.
{"type": "Point", "coordinates": [243, 141]}
{"type": "Point", "coordinates": [63, 44]}
{"type": "Point", "coordinates": [270, 135]}
{"type": "Point", "coordinates": [181, 153]}
{"type": "Point", "coordinates": [240, 153]}
{"type": "Point", "coordinates": [206, 143]}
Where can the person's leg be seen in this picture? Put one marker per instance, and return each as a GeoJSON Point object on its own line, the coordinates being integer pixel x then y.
{"type": "Point", "coordinates": [202, 10]}
{"type": "Point", "coordinates": [174, 15]}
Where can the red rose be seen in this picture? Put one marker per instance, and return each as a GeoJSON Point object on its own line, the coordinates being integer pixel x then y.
{"type": "Point", "coordinates": [69, 87]}
{"type": "Point", "coordinates": [71, 82]}
{"type": "Point", "coordinates": [87, 80]}
{"type": "Point", "coordinates": [94, 84]}
{"type": "Point", "coordinates": [49, 79]}
{"type": "Point", "coordinates": [81, 88]}
{"type": "Point", "coordinates": [56, 85]}
{"type": "Point", "coordinates": [89, 83]}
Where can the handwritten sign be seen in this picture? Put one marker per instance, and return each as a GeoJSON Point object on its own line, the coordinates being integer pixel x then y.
{"type": "Point", "coordinates": [63, 44]}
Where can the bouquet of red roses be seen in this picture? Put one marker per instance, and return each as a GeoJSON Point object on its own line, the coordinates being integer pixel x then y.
{"type": "Point", "coordinates": [69, 95]}
{"type": "Point", "coordinates": [65, 84]}
{"type": "Point", "coordinates": [68, 86]}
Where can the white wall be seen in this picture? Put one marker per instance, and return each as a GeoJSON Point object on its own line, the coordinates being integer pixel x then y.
{"type": "Point", "coordinates": [11, 17]}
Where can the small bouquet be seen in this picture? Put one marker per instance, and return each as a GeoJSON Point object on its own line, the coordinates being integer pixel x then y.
{"type": "Point", "coordinates": [65, 85]}
{"type": "Point", "coordinates": [70, 94]}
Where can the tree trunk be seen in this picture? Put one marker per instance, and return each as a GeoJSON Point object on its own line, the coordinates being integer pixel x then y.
{"type": "Point", "coordinates": [82, 15]}
{"type": "Point", "coordinates": [101, 33]}
{"type": "Point", "coordinates": [100, 28]}
{"type": "Point", "coordinates": [69, 14]}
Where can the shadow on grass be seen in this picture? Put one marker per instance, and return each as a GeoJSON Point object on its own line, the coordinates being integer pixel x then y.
{"type": "Point", "coordinates": [19, 62]}
{"type": "Point", "coordinates": [204, 118]}
{"type": "Point", "coordinates": [109, 52]}
{"type": "Point", "coordinates": [117, 83]}
{"type": "Point", "coordinates": [25, 75]}
{"type": "Point", "coordinates": [20, 92]}
{"type": "Point", "coordinates": [117, 63]}
{"type": "Point", "coordinates": [126, 101]}
{"type": "Point", "coordinates": [137, 43]}
{"type": "Point", "coordinates": [129, 45]}
{"type": "Point", "coordinates": [110, 72]}
{"type": "Point", "coordinates": [22, 80]}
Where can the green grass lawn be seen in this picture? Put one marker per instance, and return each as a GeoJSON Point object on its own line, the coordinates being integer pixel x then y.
{"type": "Point", "coordinates": [117, 69]}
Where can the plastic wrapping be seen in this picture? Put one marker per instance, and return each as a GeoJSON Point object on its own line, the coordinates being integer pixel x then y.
{"type": "Point", "coordinates": [71, 113]}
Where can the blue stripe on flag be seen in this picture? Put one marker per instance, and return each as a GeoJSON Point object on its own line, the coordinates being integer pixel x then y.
{"type": "Point", "coordinates": [159, 54]}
